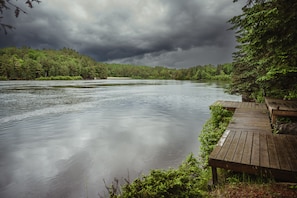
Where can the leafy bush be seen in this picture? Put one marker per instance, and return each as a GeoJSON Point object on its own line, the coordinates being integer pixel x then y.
{"type": "Point", "coordinates": [189, 180]}
{"type": "Point", "coordinates": [213, 130]}
{"type": "Point", "coordinates": [3, 78]}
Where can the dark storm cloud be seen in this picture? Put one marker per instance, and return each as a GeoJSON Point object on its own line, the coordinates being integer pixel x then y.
{"type": "Point", "coordinates": [149, 32]}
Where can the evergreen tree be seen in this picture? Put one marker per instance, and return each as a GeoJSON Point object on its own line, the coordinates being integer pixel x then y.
{"type": "Point", "coordinates": [266, 61]}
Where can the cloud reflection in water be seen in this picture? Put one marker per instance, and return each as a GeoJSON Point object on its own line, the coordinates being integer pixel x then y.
{"type": "Point", "coordinates": [112, 132]}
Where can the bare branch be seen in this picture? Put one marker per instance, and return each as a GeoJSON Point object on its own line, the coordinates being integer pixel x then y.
{"type": "Point", "coordinates": [6, 5]}
{"type": "Point", "coordinates": [17, 9]}
{"type": "Point", "coordinates": [5, 27]}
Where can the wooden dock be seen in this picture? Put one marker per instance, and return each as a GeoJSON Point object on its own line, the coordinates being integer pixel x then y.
{"type": "Point", "coordinates": [248, 145]}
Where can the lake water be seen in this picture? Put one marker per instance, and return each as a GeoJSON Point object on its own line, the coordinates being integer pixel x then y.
{"type": "Point", "coordinates": [63, 138]}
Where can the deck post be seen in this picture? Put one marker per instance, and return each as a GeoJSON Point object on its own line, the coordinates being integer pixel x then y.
{"type": "Point", "coordinates": [214, 175]}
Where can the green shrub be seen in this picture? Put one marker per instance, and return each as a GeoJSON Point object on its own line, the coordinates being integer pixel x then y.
{"type": "Point", "coordinates": [189, 180]}
{"type": "Point", "coordinates": [3, 78]}
{"type": "Point", "coordinates": [213, 130]}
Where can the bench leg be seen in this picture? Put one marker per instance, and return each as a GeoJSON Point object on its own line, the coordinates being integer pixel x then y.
{"type": "Point", "coordinates": [214, 175]}
{"type": "Point", "coordinates": [273, 119]}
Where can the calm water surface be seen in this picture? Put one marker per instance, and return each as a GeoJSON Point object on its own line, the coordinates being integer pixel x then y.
{"type": "Point", "coordinates": [62, 138]}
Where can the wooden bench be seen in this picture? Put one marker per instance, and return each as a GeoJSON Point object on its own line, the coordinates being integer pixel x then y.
{"type": "Point", "coordinates": [279, 107]}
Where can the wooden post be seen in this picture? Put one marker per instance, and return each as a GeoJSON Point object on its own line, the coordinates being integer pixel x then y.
{"type": "Point", "coordinates": [214, 175]}
{"type": "Point", "coordinates": [273, 118]}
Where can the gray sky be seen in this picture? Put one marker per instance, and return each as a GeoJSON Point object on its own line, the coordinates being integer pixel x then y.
{"type": "Point", "coordinates": [172, 33]}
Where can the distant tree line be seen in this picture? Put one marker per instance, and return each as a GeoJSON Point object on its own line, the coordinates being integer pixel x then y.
{"type": "Point", "coordinates": [206, 72]}
{"type": "Point", "coordinates": [29, 64]}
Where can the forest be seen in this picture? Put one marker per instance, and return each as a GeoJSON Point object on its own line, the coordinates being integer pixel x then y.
{"type": "Point", "coordinates": [67, 64]}
{"type": "Point", "coordinates": [30, 64]}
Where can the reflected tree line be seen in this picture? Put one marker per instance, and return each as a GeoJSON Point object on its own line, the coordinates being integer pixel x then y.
{"type": "Point", "coordinates": [30, 64]}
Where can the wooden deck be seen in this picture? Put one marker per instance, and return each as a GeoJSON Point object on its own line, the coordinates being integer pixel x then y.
{"type": "Point", "coordinates": [278, 107]}
{"type": "Point", "coordinates": [232, 105]}
{"type": "Point", "coordinates": [249, 146]}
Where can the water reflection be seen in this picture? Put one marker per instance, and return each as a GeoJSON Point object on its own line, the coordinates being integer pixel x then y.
{"type": "Point", "coordinates": [62, 142]}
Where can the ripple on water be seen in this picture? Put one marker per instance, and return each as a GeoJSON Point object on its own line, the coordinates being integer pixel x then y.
{"type": "Point", "coordinates": [50, 110]}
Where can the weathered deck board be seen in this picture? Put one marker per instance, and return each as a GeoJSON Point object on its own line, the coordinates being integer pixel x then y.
{"type": "Point", "coordinates": [273, 158]}
{"type": "Point", "coordinates": [232, 148]}
{"type": "Point", "coordinates": [249, 146]}
{"type": "Point", "coordinates": [283, 157]}
{"type": "Point", "coordinates": [241, 143]}
{"type": "Point", "coordinates": [255, 158]}
{"type": "Point", "coordinates": [292, 151]}
{"type": "Point", "coordinates": [223, 151]}
{"type": "Point", "coordinates": [246, 158]}
{"type": "Point", "coordinates": [264, 156]}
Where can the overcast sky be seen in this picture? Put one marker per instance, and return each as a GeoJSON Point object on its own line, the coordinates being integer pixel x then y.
{"type": "Point", "coordinates": [172, 33]}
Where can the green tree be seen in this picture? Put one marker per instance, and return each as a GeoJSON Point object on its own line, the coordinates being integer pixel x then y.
{"type": "Point", "coordinates": [16, 67]}
{"type": "Point", "coordinates": [101, 71]}
{"type": "Point", "coordinates": [266, 60]}
{"type": "Point", "coordinates": [4, 65]}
